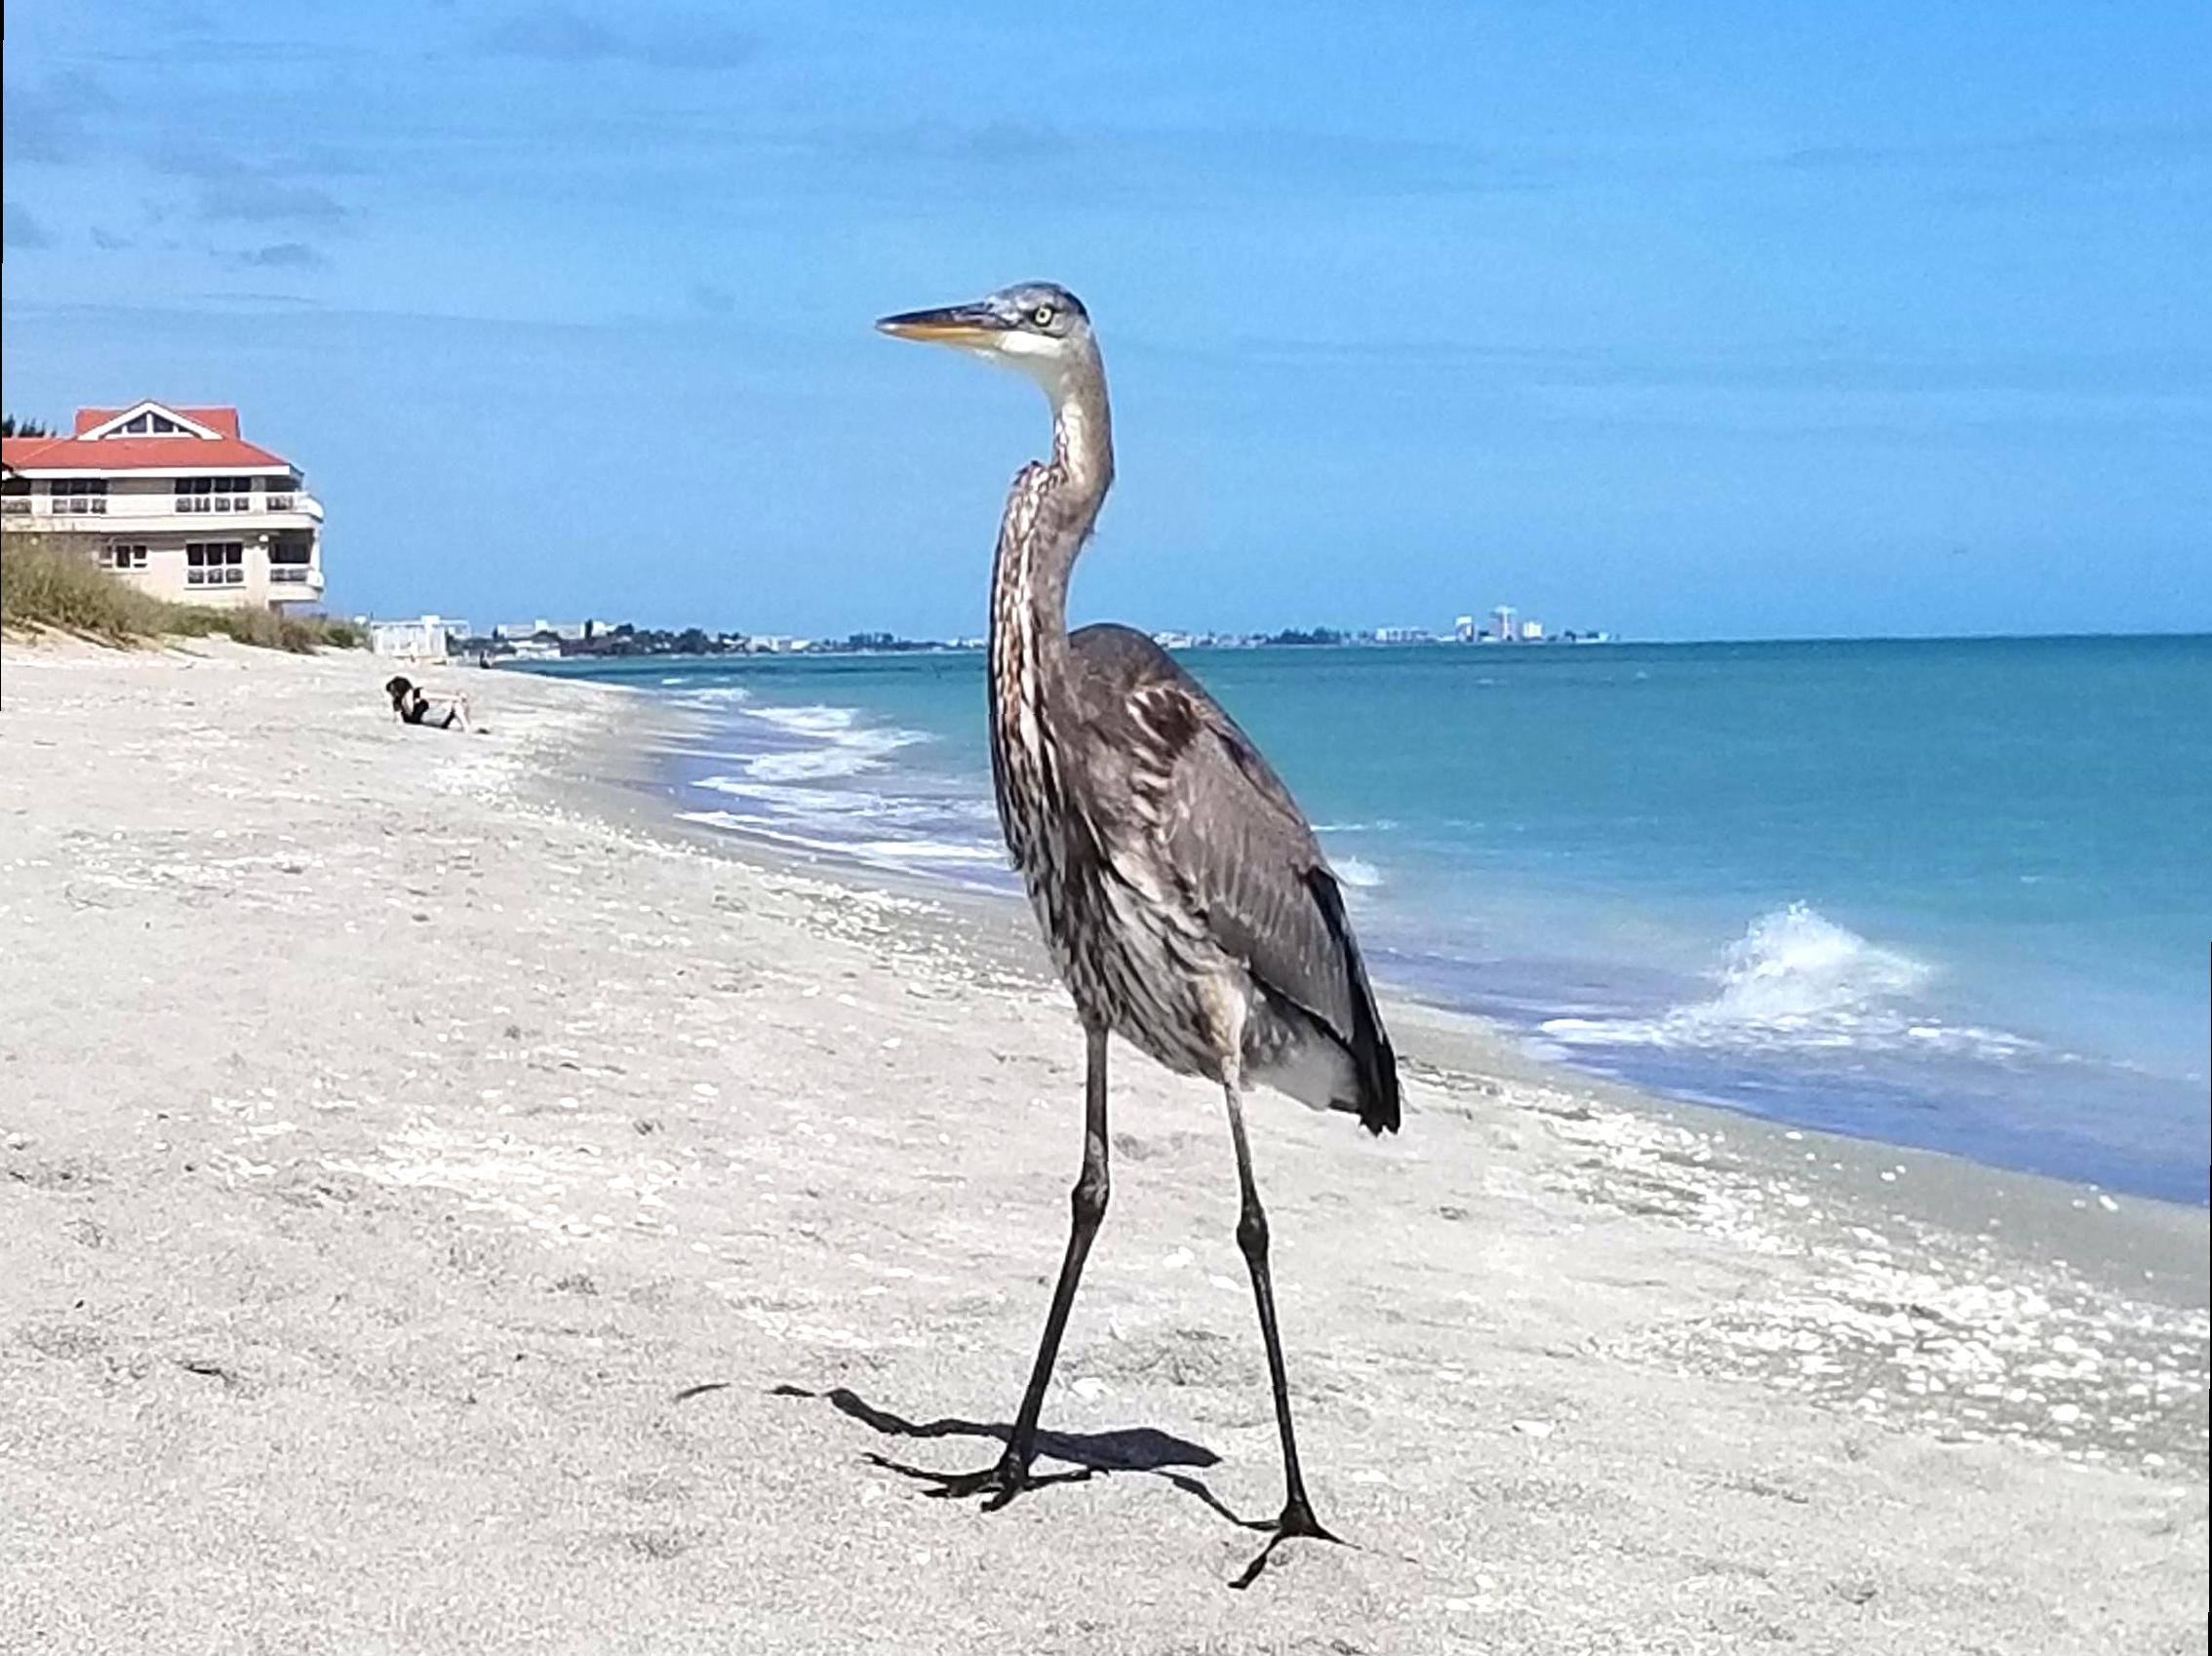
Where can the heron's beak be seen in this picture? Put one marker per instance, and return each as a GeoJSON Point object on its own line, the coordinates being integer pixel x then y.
{"type": "Point", "coordinates": [973, 326]}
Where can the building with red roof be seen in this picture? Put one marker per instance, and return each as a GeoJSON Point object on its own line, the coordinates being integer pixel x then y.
{"type": "Point", "coordinates": [174, 500]}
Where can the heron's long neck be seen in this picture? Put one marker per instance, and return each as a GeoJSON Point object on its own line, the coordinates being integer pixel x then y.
{"type": "Point", "coordinates": [1041, 539]}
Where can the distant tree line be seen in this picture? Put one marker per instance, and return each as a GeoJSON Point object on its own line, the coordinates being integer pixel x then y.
{"type": "Point", "coordinates": [626, 639]}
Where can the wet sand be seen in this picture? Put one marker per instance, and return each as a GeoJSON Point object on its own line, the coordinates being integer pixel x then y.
{"type": "Point", "coordinates": [446, 1206]}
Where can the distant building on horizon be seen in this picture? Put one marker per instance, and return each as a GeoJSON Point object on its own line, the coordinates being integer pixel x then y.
{"type": "Point", "coordinates": [1502, 623]}
{"type": "Point", "coordinates": [175, 501]}
{"type": "Point", "coordinates": [425, 638]}
{"type": "Point", "coordinates": [518, 632]}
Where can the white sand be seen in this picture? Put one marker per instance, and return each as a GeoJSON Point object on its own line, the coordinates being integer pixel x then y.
{"type": "Point", "coordinates": [384, 1151]}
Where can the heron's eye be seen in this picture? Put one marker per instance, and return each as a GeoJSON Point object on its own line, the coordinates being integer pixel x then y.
{"type": "Point", "coordinates": [1042, 316]}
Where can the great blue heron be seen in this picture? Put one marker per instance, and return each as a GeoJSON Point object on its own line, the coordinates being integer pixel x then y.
{"type": "Point", "coordinates": [1186, 903]}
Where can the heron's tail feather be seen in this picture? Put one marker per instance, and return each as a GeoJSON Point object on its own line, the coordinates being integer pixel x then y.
{"type": "Point", "coordinates": [1375, 1065]}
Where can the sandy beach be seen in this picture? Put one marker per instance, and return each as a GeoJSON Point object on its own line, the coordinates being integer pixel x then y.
{"type": "Point", "coordinates": [445, 1208]}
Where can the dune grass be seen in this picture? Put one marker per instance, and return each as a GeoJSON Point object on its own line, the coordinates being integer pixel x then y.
{"type": "Point", "coordinates": [45, 584]}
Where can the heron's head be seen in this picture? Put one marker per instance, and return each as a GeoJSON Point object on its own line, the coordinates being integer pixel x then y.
{"type": "Point", "coordinates": [1037, 328]}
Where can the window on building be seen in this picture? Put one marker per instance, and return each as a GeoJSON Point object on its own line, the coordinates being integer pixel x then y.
{"type": "Point", "coordinates": [289, 562]}
{"type": "Point", "coordinates": [148, 425]}
{"type": "Point", "coordinates": [79, 495]}
{"type": "Point", "coordinates": [215, 493]}
{"type": "Point", "coordinates": [122, 555]}
{"type": "Point", "coordinates": [214, 563]}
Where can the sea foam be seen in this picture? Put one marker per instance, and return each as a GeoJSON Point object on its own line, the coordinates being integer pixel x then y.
{"type": "Point", "coordinates": [1797, 978]}
{"type": "Point", "coordinates": [1795, 965]}
{"type": "Point", "coordinates": [823, 744]}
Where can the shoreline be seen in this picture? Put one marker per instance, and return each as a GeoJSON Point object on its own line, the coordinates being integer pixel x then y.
{"type": "Point", "coordinates": [618, 772]}
{"type": "Point", "coordinates": [1984, 1215]}
{"type": "Point", "coordinates": [405, 1129]}
{"type": "Point", "coordinates": [2018, 1103]}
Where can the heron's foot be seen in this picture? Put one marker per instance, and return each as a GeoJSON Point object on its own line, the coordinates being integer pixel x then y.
{"type": "Point", "coordinates": [1296, 1524]}
{"type": "Point", "coordinates": [995, 1485]}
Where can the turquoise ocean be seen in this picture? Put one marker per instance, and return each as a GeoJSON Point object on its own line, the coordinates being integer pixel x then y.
{"type": "Point", "coordinates": [1950, 895]}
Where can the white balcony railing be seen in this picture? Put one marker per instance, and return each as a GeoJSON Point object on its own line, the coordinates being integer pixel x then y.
{"type": "Point", "coordinates": [293, 504]}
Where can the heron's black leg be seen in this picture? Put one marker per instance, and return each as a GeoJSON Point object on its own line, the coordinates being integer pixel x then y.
{"type": "Point", "coordinates": [1087, 1201]}
{"type": "Point", "coordinates": [1251, 1237]}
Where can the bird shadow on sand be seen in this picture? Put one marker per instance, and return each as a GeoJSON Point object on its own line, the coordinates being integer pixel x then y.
{"type": "Point", "coordinates": [1131, 1448]}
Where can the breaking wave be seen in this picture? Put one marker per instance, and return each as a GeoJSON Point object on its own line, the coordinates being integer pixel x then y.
{"type": "Point", "coordinates": [709, 698]}
{"type": "Point", "coordinates": [1794, 964]}
{"type": "Point", "coordinates": [801, 777]}
{"type": "Point", "coordinates": [1797, 979]}
{"type": "Point", "coordinates": [818, 743]}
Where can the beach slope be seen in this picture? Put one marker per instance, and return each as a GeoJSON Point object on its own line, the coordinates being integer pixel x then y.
{"type": "Point", "coordinates": [441, 1212]}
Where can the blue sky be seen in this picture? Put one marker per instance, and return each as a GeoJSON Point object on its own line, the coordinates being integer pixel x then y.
{"type": "Point", "coordinates": [1683, 320]}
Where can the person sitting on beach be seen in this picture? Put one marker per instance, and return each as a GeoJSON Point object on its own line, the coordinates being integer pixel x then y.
{"type": "Point", "coordinates": [414, 707]}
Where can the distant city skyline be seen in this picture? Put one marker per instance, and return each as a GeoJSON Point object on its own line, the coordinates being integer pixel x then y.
{"type": "Point", "coordinates": [1460, 631]}
{"type": "Point", "coordinates": [1714, 320]}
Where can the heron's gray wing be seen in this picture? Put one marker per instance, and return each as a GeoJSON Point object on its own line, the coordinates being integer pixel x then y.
{"type": "Point", "coordinates": [1232, 837]}
{"type": "Point", "coordinates": [1270, 899]}
{"type": "Point", "coordinates": [1241, 846]}
{"type": "Point", "coordinates": [1236, 842]}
